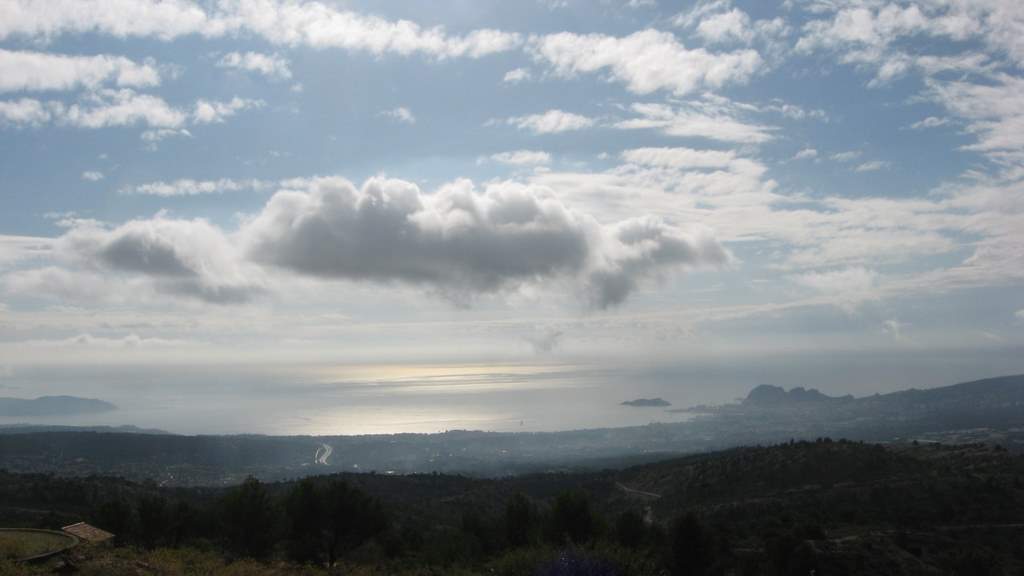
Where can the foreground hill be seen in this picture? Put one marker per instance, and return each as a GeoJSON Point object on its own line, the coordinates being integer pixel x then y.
{"type": "Point", "coordinates": [837, 507]}
{"type": "Point", "coordinates": [986, 410]}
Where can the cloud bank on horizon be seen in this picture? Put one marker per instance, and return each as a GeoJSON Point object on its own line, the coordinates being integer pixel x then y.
{"type": "Point", "coordinates": [636, 177]}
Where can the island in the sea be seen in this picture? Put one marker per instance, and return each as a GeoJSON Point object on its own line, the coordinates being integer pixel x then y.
{"type": "Point", "coordinates": [647, 403]}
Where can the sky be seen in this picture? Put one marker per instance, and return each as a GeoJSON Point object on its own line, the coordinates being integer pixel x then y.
{"type": "Point", "coordinates": [498, 214]}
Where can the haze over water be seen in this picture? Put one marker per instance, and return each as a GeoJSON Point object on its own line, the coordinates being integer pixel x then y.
{"type": "Point", "coordinates": [392, 398]}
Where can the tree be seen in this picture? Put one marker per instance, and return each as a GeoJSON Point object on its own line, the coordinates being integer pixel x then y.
{"type": "Point", "coordinates": [249, 519]}
{"type": "Point", "coordinates": [692, 546]}
{"type": "Point", "coordinates": [572, 519]}
{"type": "Point", "coordinates": [153, 519]}
{"type": "Point", "coordinates": [303, 507]}
{"type": "Point", "coordinates": [520, 518]}
{"type": "Point", "coordinates": [115, 516]}
{"type": "Point", "coordinates": [630, 529]}
{"type": "Point", "coordinates": [352, 517]}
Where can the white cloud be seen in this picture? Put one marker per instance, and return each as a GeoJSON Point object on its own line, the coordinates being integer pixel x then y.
{"type": "Point", "coordinates": [718, 22]}
{"type": "Point", "coordinates": [645, 61]}
{"type": "Point", "coordinates": [155, 136]}
{"type": "Point", "coordinates": [929, 122]}
{"type": "Point", "coordinates": [806, 154]}
{"type": "Point", "coordinates": [894, 328]}
{"type": "Point", "coordinates": [86, 340]}
{"type": "Point", "coordinates": [38, 71]}
{"type": "Point", "coordinates": [107, 107]}
{"type": "Point", "coordinates": [180, 258]}
{"type": "Point", "coordinates": [794, 112]}
{"type": "Point", "coordinates": [516, 76]}
{"type": "Point", "coordinates": [869, 34]}
{"type": "Point", "coordinates": [848, 287]}
{"type": "Point", "coordinates": [26, 112]}
{"type": "Point", "coordinates": [872, 166]}
{"type": "Point", "coordinates": [214, 112]}
{"type": "Point", "coordinates": [92, 175]}
{"type": "Point", "coordinates": [123, 108]}
{"type": "Point", "coordinates": [731, 26]}
{"type": "Point", "coordinates": [189, 187]}
{"type": "Point", "coordinates": [679, 158]}
{"type": "Point", "coordinates": [993, 110]}
{"type": "Point", "coordinates": [401, 114]}
{"type": "Point", "coordinates": [285, 23]}
{"type": "Point", "coordinates": [272, 66]}
{"type": "Point", "coordinates": [522, 157]}
{"type": "Point", "coordinates": [14, 249]}
{"type": "Point", "coordinates": [1019, 314]}
{"type": "Point", "coordinates": [848, 156]}
{"type": "Point", "coordinates": [551, 122]}
{"type": "Point", "coordinates": [697, 119]}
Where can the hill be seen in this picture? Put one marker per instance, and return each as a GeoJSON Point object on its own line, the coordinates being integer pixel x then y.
{"type": "Point", "coordinates": [52, 406]}
{"type": "Point", "coordinates": [837, 507]}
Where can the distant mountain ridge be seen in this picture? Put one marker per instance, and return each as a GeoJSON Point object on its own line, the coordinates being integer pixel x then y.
{"type": "Point", "coordinates": [647, 403]}
{"type": "Point", "coordinates": [768, 395]}
{"type": "Point", "coordinates": [36, 428]}
{"type": "Point", "coordinates": [1000, 392]}
{"type": "Point", "coordinates": [53, 406]}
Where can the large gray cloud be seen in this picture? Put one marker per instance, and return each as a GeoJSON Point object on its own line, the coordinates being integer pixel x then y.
{"type": "Point", "coordinates": [462, 240]}
{"type": "Point", "coordinates": [187, 258]}
{"type": "Point", "coordinates": [458, 241]}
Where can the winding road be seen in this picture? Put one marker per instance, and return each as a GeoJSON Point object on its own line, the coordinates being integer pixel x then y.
{"type": "Point", "coordinates": [323, 453]}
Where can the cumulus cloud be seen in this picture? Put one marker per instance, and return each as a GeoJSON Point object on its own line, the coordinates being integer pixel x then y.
{"type": "Point", "coordinates": [286, 23]}
{"type": "Point", "coordinates": [272, 66]}
{"type": "Point", "coordinates": [642, 247]}
{"type": "Point", "coordinates": [189, 259]}
{"type": "Point", "coordinates": [27, 111]}
{"type": "Point", "coordinates": [92, 175]}
{"type": "Point", "coordinates": [460, 240]}
{"type": "Point", "coordinates": [551, 122]}
{"type": "Point", "coordinates": [645, 61]}
{"type": "Point", "coordinates": [22, 71]}
{"type": "Point", "coordinates": [522, 157]}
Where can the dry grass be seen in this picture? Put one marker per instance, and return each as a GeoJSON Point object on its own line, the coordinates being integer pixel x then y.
{"type": "Point", "coordinates": [16, 544]}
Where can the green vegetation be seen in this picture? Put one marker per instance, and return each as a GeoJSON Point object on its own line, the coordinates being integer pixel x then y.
{"type": "Point", "coordinates": [834, 507]}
